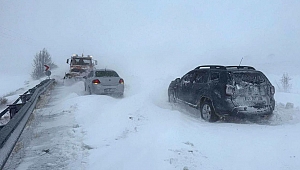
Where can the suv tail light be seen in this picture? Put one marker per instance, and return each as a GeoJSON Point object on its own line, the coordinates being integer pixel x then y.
{"type": "Point", "coordinates": [96, 81]}
{"type": "Point", "coordinates": [272, 89]}
{"type": "Point", "coordinates": [230, 89]}
{"type": "Point", "coordinates": [121, 81]}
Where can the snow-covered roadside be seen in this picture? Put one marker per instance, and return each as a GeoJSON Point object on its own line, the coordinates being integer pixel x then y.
{"type": "Point", "coordinates": [14, 85]}
{"type": "Point", "coordinates": [52, 139]}
{"type": "Point", "coordinates": [12, 91]}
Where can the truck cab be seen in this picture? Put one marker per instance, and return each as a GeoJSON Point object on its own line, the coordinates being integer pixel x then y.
{"type": "Point", "coordinates": [80, 66]}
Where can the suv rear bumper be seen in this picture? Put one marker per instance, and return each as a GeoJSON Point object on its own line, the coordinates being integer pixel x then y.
{"type": "Point", "coordinates": [227, 108]}
{"type": "Point", "coordinates": [245, 111]}
{"type": "Point", "coordinates": [249, 110]}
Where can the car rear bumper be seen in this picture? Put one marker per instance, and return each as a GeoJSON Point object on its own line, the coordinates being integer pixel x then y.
{"type": "Point", "coordinates": [100, 89]}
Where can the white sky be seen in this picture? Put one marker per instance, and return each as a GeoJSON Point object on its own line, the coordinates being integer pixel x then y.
{"type": "Point", "coordinates": [137, 33]}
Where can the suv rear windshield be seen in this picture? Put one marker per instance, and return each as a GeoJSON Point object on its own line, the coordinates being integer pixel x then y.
{"type": "Point", "coordinates": [106, 74]}
{"type": "Point", "coordinates": [249, 77]}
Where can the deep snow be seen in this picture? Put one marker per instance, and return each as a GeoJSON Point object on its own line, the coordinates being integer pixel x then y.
{"type": "Point", "coordinates": [72, 130]}
{"type": "Point", "coordinates": [149, 43]}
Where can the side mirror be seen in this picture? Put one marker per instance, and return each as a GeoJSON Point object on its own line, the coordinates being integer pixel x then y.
{"type": "Point", "coordinates": [67, 61]}
{"type": "Point", "coordinates": [96, 62]}
{"type": "Point", "coordinates": [177, 80]}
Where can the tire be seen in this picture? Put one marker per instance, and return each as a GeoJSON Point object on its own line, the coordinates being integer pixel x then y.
{"type": "Point", "coordinates": [171, 96]}
{"type": "Point", "coordinates": [207, 112]}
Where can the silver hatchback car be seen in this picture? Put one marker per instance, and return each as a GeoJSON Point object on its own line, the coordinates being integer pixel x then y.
{"type": "Point", "coordinates": [104, 81]}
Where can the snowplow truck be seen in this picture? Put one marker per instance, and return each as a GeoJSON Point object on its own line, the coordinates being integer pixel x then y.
{"type": "Point", "coordinates": [80, 66]}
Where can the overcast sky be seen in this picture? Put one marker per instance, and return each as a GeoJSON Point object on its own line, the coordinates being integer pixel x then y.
{"type": "Point", "coordinates": [168, 33]}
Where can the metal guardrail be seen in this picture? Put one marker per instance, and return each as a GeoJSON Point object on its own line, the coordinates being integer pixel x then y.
{"type": "Point", "coordinates": [19, 113]}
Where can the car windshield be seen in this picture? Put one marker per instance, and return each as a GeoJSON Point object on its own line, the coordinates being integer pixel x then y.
{"type": "Point", "coordinates": [77, 70]}
{"type": "Point", "coordinates": [106, 74]}
{"type": "Point", "coordinates": [81, 61]}
{"type": "Point", "coordinates": [249, 77]}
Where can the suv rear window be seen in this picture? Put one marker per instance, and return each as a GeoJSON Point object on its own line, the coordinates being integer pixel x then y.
{"type": "Point", "coordinates": [106, 74]}
{"type": "Point", "coordinates": [249, 77]}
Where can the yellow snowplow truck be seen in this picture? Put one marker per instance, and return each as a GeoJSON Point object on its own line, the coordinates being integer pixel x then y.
{"type": "Point", "coordinates": [80, 66]}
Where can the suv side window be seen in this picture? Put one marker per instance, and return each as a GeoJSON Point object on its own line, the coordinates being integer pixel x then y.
{"type": "Point", "coordinates": [214, 76]}
{"type": "Point", "coordinates": [202, 77]}
{"type": "Point", "coordinates": [188, 78]}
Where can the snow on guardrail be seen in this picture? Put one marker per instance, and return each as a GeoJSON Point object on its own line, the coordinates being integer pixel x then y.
{"type": "Point", "coordinates": [19, 114]}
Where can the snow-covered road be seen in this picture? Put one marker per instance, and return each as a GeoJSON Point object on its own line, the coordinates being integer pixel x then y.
{"type": "Point", "coordinates": [149, 44]}
{"type": "Point", "coordinates": [71, 130]}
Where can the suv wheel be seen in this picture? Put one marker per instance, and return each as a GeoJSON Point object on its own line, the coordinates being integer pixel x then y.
{"type": "Point", "coordinates": [172, 97]}
{"type": "Point", "coordinates": [207, 112]}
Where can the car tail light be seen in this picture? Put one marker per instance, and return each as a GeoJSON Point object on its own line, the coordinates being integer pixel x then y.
{"type": "Point", "coordinates": [121, 81]}
{"type": "Point", "coordinates": [230, 89]}
{"type": "Point", "coordinates": [96, 81]}
{"type": "Point", "coordinates": [272, 89]}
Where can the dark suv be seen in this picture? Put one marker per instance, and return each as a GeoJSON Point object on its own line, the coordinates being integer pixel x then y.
{"type": "Point", "coordinates": [221, 91]}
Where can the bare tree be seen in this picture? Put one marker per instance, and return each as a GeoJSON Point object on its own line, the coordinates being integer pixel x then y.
{"type": "Point", "coordinates": [42, 58]}
{"type": "Point", "coordinates": [285, 83]}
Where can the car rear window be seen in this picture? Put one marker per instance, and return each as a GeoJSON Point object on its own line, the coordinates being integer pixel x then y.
{"type": "Point", "coordinates": [106, 74]}
{"type": "Point", "coordinates": [249, 77]}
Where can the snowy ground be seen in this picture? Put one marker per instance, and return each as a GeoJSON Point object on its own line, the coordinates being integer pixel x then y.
{"type": "Point", "coordinates": [72, 130]}
{"type": "Point", "coordinates": [149, 43]}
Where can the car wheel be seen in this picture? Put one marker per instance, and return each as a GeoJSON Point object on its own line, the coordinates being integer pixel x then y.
{"type": "Point", "coordinates": [208, 112]}
{"type": "Point", "coordinates": [172, 98]}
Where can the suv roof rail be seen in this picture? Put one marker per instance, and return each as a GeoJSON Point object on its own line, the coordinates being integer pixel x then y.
{"type": "Point", "coordinates": [240, 67]}
{"type": "Point", "coordinates": [211, 67]}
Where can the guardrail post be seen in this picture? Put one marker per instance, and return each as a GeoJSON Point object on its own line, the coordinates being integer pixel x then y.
{"type": "Point", "coordinates": [14, 108]}
{"type": "Point", "coordinates": [25, 97]}
{"type": "Point", "coordinates": [32, 90]}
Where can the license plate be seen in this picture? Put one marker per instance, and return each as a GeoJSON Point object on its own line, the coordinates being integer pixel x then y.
{"type": "Point", "coordinates": [109, 90]}
{"type": "Point", "coordinates": [253, 98]}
